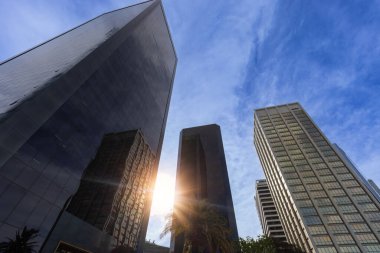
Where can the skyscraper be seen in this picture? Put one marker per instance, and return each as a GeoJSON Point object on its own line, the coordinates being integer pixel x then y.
{"type": "Point", "coordinates": [324, 207]}
{"type": "Point", "coordinates": [112, 197]}
{"type": "Point", "coordinates": [109, 75]}
{"type": "Point", "coordinates": [374, 187]}
{"type": "Point", "coordinates": [269, 218]}
{"type": "Point", "coordinates": [354, 170]}
{"type": "Point", "coordinates": [202, 175]}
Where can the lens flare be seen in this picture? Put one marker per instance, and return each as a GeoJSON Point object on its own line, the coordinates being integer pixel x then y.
{"type": "Point", "coordinates": [163, 196]}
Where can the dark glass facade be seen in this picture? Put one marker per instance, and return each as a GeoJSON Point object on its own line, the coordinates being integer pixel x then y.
{"type": "Point", "coordinates": [202, 174]}
{"type": "Point", "coordinates": [112, 195]}
{"type": "Point", "coordinates": [111, 74]}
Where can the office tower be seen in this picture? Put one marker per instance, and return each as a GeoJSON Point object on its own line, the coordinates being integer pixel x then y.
{"type": "Point", "coordinates": [202, 175]}
{"type": "Point", "coordinates": [109, 75]}
{"type": "Point", "coordinates": [351, 166]}
{"type": "Point", "coordinates": [323, 206]}
{"type": "Point", "coordinates": [111, 196]}
{"type": "Point", "coordinates": [375, 188]}
{"type": "Point", "coordinates": [269, 219]}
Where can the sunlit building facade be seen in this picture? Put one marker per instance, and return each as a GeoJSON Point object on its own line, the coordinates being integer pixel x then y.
{"type": "Point", "coordinates": [323, 205]}
{"type": "Point", "coordinates": [202, 175]}
{"type": "Point", "coordinates": [111, 74]}
{"type": "Point", "coordinates": [266, 209]}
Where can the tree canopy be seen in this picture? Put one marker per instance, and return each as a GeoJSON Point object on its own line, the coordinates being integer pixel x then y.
{"type": "Point", "coordinates": [202, 227]}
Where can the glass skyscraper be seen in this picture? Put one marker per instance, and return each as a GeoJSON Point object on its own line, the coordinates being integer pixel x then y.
{"type": "Point", "coordinates": [58, 100]}
{"type": "Point", "coordinates": [112, 196]}
{"type": "Point", "coordinates": [323, 205]}
{"type": "Point", "coordinates": [202, 175]}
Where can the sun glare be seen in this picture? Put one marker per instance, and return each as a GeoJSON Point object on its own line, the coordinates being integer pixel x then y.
{"type": "Point", "coordinates": [163, 196]}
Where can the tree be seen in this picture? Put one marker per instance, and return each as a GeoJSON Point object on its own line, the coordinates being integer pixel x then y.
{"type": "Point", "coordinates": [22, 243]}
{"type": "Point", "coordinates": [202, 227]}
{"type": "Point", "coordinates": [262, 244]}
{"type": "Point", "coordinates": [265, 244]}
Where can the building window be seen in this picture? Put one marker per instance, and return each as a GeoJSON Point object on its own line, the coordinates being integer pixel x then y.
{"type": "Point", "coordinates": [307, 211]}
{"type": "Point", "coordinates": [367, 238]}
{"type": "Point", "coordinates": [360, 227]}
{"type": "Point", "coordinates": [322, 240]}
{"type": "Point", "coordinates": [356, 191]}
{"type": "Point", "coordinates": [333, 219]}
{"type": "Point", "coordinates": [337, 228]}
{"type": "Point", "coordinates": [337, 192]}
{"type": "Point", "coordinates": [323, 202]}
{"type": "Point", "coordinates": [353, 217]}
{"type": "Point", "coordinates": [373, 216]}
{"type": "Point", "coordinates": [344, 239]}
{"type": "Point", "coordinates": [342, 200]}
{"type": "Point", "coordinates": [327, 250]}
{"type": "Point", "coordinates": [367, 207]}
{"type": "Point", "coordinates": [317, 230]}
{"type": "Point", "coordinates": [327, 210]}
{"type": "Point", "coordinates": [313, 220]}
{"type": "Point", "coordinates": [348, 208]}
{"type": "Point", "coordinates": [315, 187]}
{"type": "Point", "coordinates": [372, 248]}
{"type": "Point", "coordinates": [362, 199]}
{"type": "Point", "coordinates": [349, 249]}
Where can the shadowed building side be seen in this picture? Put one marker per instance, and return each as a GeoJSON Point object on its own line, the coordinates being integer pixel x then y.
{"type": "Point", "coordinates": [112, 74]}
{"type": "Point", "coordinates": [112, 195]}
{"type": "Point", "coordinates": [269, 218]}
{"type": "Point", "coordinates": [202, 174]}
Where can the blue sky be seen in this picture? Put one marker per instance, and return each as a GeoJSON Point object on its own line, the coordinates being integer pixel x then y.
{"type": "Point", "coordinates": [234, 57]}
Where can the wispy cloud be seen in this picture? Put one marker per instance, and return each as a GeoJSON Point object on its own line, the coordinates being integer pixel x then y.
{"type": "Point", "coordinates": [214, 41]}
{"type": "Point", "coordinates": [326, 56]}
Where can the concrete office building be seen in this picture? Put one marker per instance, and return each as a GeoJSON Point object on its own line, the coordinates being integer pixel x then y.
{"type": "Point", "coordinates": [112, 74]}
{"type": "Point", "coordinates": [269, 218]}
{"type": "Point", "coordinates": [324, 206]}
{"type": "Point", "coordinates": [202, 175]}
{"type": "Point", "coordinates": [374, 187]}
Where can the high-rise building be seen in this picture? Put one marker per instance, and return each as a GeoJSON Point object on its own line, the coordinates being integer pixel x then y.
{"type": "Point", "coordinates": [324, 207]}
{"type": "Point", "coordinates": [109, 75]}
{"type": "Point", "coordinates": [112, 196]}
{"type": "Point", "coordinates": [374, 187]}
{"type": "Point", "coordinates": [352, 167]}
{"type": "Point", "coordinates": [202, 175]}
{"type": "Point", "coordinates": [269, 218]}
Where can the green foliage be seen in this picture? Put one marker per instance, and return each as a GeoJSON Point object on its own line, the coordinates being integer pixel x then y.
{"type": "Point", "coordinates": [22, 243]}
{"type": "Point", "coordinates": [264, 244]}
{"type": "Point", "coordinates": [201, 226]}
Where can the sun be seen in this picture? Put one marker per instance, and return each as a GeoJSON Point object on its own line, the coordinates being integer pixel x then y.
{"type": "Point", "coordinates": [163, 195]}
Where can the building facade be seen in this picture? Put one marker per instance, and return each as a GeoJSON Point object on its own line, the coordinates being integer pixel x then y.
{"type": "Point", "coordinates": [269, 218]}
{"type": "Point", "coordinates": [202, 175]}
{"type": "Point", "coordinates": [374, 187]}
{"type": "Point", "coordinates": [112, 195]}
{"type": "Point", "coordinates": [112, 74]}
{"type": "Point", "coordinates": [324, 207]}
